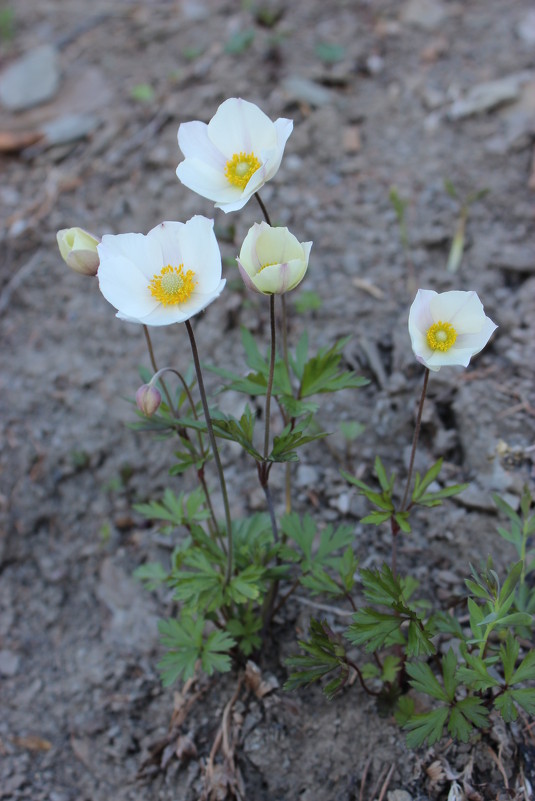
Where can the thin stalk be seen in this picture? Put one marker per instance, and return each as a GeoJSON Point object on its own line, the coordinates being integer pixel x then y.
{"type": "Point", "coordinates": [269, 389]}
{"type": "Point", "coordinates": [215, 450]}
{"type": "Point", "coordinates": [287, 467]}
{"type": "Point", "coordinates": [393, 523]}
{"type": "Point", "coordinates": [200, 471]}
{"type": "Point", "coordinates": [155, 367]}
{"type": "Point", "coordinates": [415, 439]}
{"type": "Point", "coordinates": [263, 208]}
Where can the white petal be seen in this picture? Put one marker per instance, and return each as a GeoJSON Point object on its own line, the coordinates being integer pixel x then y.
{"type": "Point", "coordinates": [463, 310]}
{"type": "Point", "coordinates": [421, 349]}
{"type": "Point", "coordinates": [207, 181]}
{"type": "Point", "coordinates": [420, 318]}
{"type": "Point", "coordinates": [136, 248]}
{"type": "Point", "coordinates": [124, 285]}
{"type": "Point", "coordinates": [241, 126]}
{"type": "Point", "coordinates": [195, 143]}
{"type": "Point", "coordinates": [167, 237]}
{"type": "Point", "coordinates": [201, 253]}
{"type": "Point", "coordinates": [283, 128]}
{"type": "Point", "coordinates": [476, 342]}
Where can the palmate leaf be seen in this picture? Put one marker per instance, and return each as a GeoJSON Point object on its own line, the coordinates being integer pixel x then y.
{"type": "Point", "coordinates": [323, 654]}
{"type": "Point", "coordinates": [427, 726]}
{"type": "Point", "coordinates": [176, 509]}
{"type": "Point", "coordinates": [187, 643]}
{"type": "Point", "coordinates": [467, 713]}
{"type": "Point", "coordinates": [292, 438]}
{"type": "Point", "coordinates": [424, 680]}
{"type": "Point", "coordinates": [374, 629]}
{"type": "Point", "coordinates": [240, 431]}
{"type": "Point", "coordinates": [321, 373]}
{"type": "Point", "coordinates": [506, 703]}
{"type": "Point", "coordinates": [152, 574]}
{"type": "Point", "coordinates": [526, 669]}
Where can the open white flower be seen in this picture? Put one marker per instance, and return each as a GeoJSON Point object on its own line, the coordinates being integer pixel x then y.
{"type": "Point", "coordinates": [164, 277]}
{"type": "Point", "coordinates": [448, 328]}
{"type": "Point", "coordinates": [78, 250]}
{"type": "Point", "coordinates": [229, 159]}
{"type": "Point", "coordinates": [272, 260]}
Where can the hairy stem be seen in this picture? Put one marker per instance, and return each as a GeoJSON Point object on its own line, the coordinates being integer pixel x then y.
{"type": "Point", "coordinates": [415, 439]}
{"type": "Point", "coordinates": [215, 450]}
{"type": "Point", "coordinates": [155, 367]}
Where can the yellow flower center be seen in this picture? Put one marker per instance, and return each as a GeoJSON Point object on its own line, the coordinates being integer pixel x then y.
{"type": "Point", "coordinates": [172, 285]}
{"type": "Point", "coordinates": [441, 336]}
{"type": "Point", "coordinates": [240, 167]}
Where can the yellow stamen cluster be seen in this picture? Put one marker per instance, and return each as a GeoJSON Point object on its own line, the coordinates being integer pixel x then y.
{"type": "Point", "coordinates": [172, 285]}
{"type": "Point", "coordinates": [240, 168]}
{"type": "Point", "coordinates": [441, 336]}
{"type": "Point", "coordinates": [268, 264]}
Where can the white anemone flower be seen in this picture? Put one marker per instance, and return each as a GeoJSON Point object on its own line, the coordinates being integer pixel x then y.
{"type": "Point", "coordinates": [233, 156]}
{"type": "Point", "coordinates": [449, 328]}
{"type": "Point", "coordinates": [272, 260]}
{"type": "Point", "coordinates": [163, 277]}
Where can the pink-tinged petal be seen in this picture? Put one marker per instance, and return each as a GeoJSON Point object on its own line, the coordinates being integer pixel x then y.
{"type": "Point", "coordinates": [241, 126]}
{"type": "Point", "coordinates": [463, 310]}
{"type": "Point", "coordinates": [421, 349]}
{"type": "Point", "coordinates": [124, 285]}
{"type": "Point", "coordinates": [246, 279]}
{"type": "Point", "coordinates": [280, 278]}
{"type": "Point", "coordinates": [195, 143]}
{"type": "Point", "coordinates": [208, 182]}
{"type": "Point", "coordinates": [420, 318]}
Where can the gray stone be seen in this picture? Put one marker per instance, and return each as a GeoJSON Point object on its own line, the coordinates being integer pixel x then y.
{"type": "Point", "coordinates": [525, 29]}
{"type": "Point", "coordinates": [426, 14]}
{"type": "Point", "coordinates": [9, 663]}
{"type": "Point", "coordinates": [32, 79]}
{"type": "Point", "coordinates": [398, 795]}
{"type": "Point", "coordinates": [488, 96]}
{"type": "Point", "coordinates": [307, 476]}
{"type": "Point", "coordinates": [306, 91]}
{"type": "Point", "coordinates": [69, 128]}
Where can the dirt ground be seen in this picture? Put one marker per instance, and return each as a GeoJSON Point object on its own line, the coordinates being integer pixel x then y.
{"type": "Point", "coordinates": [376, 90]}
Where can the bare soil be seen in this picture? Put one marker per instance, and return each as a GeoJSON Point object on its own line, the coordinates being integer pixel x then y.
{"type": "Point", "coordinates": [84, 716]}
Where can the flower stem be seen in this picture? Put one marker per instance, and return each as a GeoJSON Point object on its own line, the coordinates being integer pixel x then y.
{"type": "Point", "coordinates": [215, 450]}
{"type": "Point", "coordinates": [415, 439]}
{"type": "Point", "coordinates": [263, 208]}
{"type": "Point", "coordinates": [155, 366]}
{"type": "Point", "coordinates": [269, 388]}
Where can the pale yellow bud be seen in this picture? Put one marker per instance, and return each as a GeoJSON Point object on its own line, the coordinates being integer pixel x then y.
{"type": "Point", "coordinates": [78, 250]}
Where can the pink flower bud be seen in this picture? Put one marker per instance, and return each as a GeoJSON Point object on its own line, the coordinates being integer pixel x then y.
{"type": "Point", "coordinates": [148, 399]}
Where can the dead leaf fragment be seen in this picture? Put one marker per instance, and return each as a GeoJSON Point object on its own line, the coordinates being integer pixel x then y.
{"type": "Point", "coordinates": [32, 743]}
{"type": "Point", "coordinates": [255, 681]}
{"type": "Point", "coordinates": [371, 289]}
{"type": "Point", "coordinates": [15, 141]}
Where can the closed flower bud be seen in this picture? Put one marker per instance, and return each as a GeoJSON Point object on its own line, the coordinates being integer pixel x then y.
{"type": "Point", "coordinates": [148, 399]}
{"type": "Point", "coordinates": [78, 250]}
{"type": "Point", "coordinates": [272, 261]}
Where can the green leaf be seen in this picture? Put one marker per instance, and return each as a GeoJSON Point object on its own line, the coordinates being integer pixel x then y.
{"type": "Point", "coordinates": [142, 92]}
{"type": "Point", "coordinates": [506, 706]}
{"type": "Point", "coordinates": [321, 373]}
{"type": "Point", "coordinates": [507, 510]}
{"type": "Point", "coordinates": [525, 697]}
{"type": "Point", "coordinates": [474, 674]}
{"type": "Point", "coordinates": [391, 668]}
{"type": "Point", "coordinates": [376, 518]}
{"type": "Point", "coordinates": [380, 472]}
{"type": "Point", "coordinates": [421, 484]}
{"type": "Point", "coordinates": [215, 655]}
{"type": "Point", "coordinates": [427, 726]}
{"type": "Point", "coordinates": [467, 713]}
{"type": "Point", "coordinates": [449, 668]}
{"type": "Point", "coordinates": [240, 41]}
{"type": "Point", "coordinates": [151, 574]}
{"type": "Point", "coordinates": [526, 669]}
{"type": "Point", "coordinates": [330, 53]}
{"type": "Point", "coordinates": [374, 629]}
{"type": "Point", "coordinates": [423, 680]}
{"type": "Point", "coordinates": [291, 438]}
